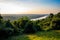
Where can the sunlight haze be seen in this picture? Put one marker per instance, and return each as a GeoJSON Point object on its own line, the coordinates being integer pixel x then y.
{"type": "Point", "coordinates": [29, 6]}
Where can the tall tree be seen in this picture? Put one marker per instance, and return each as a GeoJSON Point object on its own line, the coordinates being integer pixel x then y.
{"type": "Point", "coordinates": [1, 17]}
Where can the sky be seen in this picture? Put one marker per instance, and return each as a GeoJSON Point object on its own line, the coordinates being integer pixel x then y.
{"type": "Point", "coordinates": [29, 6]}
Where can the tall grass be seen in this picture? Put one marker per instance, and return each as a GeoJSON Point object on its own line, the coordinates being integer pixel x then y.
{"type": "Point", "coordinates": [45, 35]}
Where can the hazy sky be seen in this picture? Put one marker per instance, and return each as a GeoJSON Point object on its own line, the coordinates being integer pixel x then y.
{"type": "Point", "coordinates": [29, 6]}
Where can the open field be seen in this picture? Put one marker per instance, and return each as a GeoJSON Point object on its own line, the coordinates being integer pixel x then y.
{"type": "Point", "coordinates": [45, 35]}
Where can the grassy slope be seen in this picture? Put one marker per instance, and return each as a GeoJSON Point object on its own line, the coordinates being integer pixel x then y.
{"type": "Point", "coordinates": [50, 35]}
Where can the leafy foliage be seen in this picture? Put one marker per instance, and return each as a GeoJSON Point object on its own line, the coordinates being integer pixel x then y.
{"type": "Point", "coordinates": [25, 25]}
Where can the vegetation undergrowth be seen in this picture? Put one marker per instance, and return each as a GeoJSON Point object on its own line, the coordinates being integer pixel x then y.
{"type": "Point", "coordinates": [23, 27]}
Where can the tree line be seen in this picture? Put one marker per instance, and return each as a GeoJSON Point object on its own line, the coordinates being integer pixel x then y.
{"type": "Point", "coordinates": [25, 26]}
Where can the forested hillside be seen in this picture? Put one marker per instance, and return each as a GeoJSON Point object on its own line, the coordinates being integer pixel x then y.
{"type": "Point", "coordinates": [25, 26]}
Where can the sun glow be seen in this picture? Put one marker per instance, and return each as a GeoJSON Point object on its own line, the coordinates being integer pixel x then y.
{"type": "Point", "coordinates": [8, 8]}
{"type": "Point", "coordinates": [28, 7]}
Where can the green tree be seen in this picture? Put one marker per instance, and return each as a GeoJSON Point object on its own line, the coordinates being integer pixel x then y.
{"type": "Point", "coordinates": [31, 27]}
{"type": "Point", "coordinates": [22, 22]}
{"type": "Point", "coordinates": [1, 17]}
{"type": "Point", "coordinates": [8, 24]}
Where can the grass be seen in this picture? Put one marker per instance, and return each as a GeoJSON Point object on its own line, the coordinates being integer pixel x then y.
{"type": "Point", "coordinates": [50, 35]}
{"type": "Point", "coordinates": [19, 37]}
{"type": "Point", "coordinates": [46, 35]}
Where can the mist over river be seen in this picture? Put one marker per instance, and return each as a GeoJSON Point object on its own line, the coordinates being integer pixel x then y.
{"type": "Point", "coordinates": [13, 17]}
